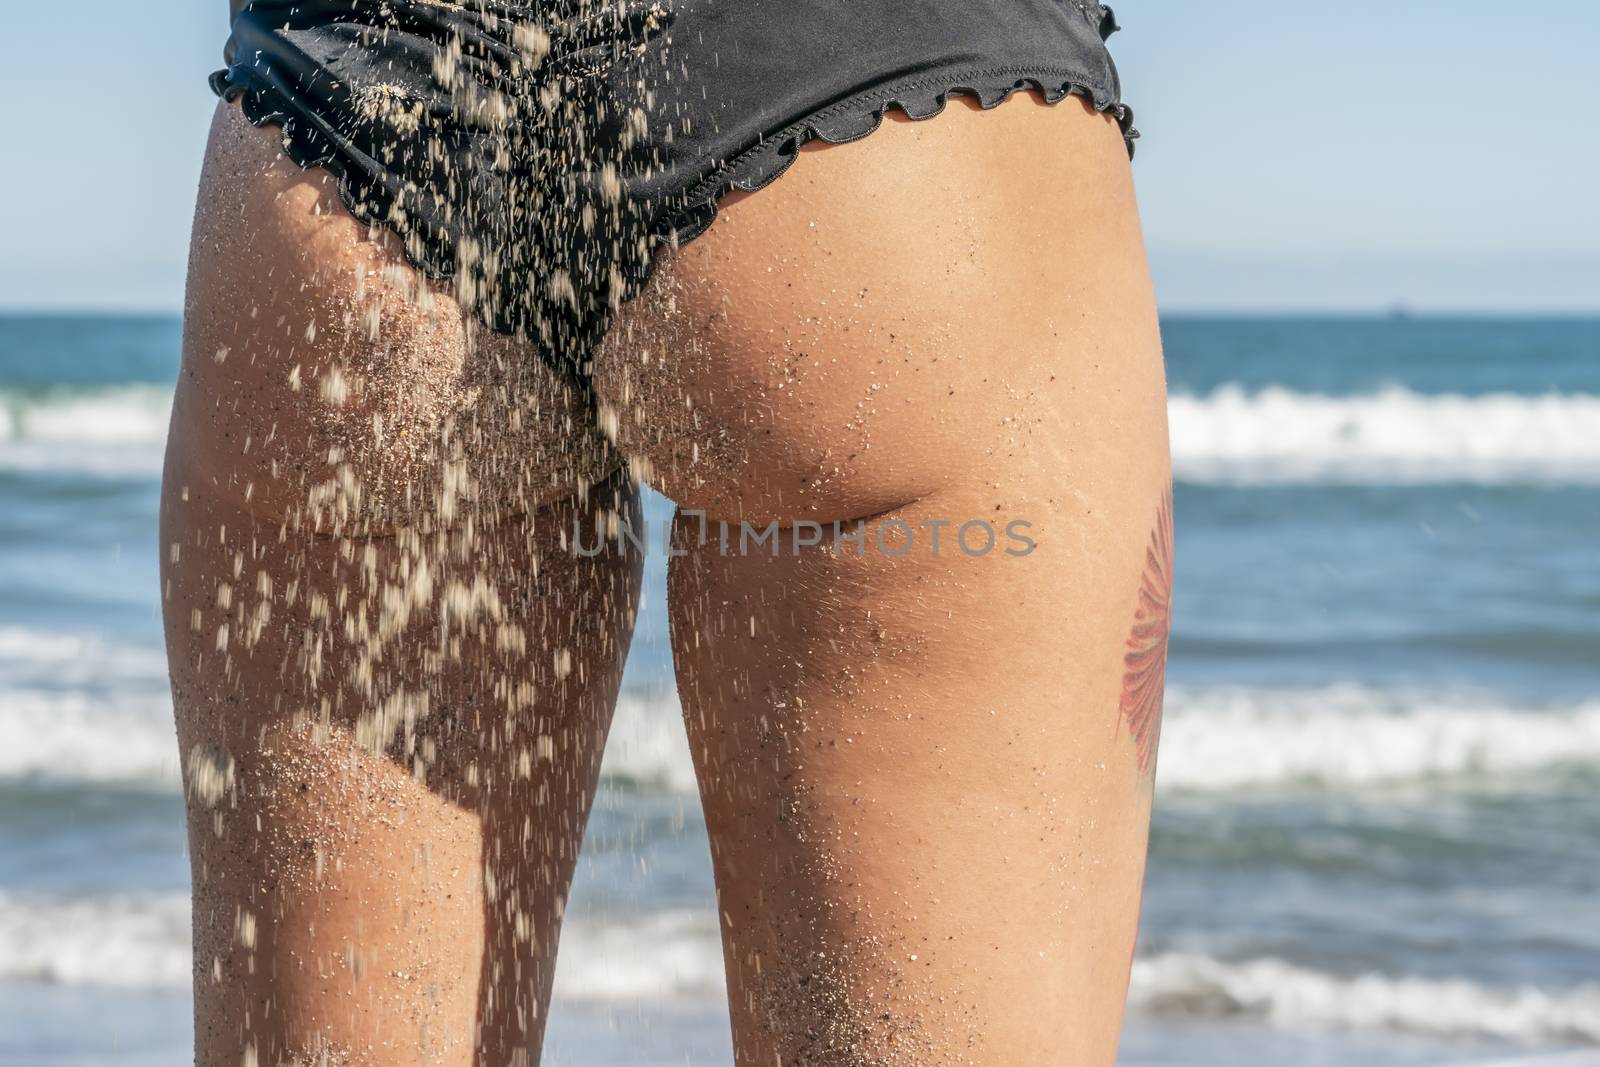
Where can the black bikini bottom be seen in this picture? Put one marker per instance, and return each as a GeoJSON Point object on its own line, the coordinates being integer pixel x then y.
{"type": "Point", "coordinates": [538, 152]}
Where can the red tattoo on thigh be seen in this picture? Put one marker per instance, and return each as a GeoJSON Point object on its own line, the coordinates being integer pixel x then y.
{"type": "Point", "coordinates": [1145, 677]}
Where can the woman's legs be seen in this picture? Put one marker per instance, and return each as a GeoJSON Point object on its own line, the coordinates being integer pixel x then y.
{"type": "Point", "coordinates": [393, 677]}
{"type": "Point", "coordinates": [927, 778]}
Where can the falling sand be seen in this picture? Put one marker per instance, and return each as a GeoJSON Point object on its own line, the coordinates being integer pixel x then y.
{"type": "Point", "coordinates": [404, 406]}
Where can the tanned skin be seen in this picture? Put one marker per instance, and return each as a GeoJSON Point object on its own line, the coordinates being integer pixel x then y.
{"type": "Point", "coordinates": [926, 778]}
{"type": "Point", "coordinates": [927, 805]}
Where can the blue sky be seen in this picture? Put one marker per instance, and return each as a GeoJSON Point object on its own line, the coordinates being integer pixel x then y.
{"type": "Point", "coordinates": [1435, 153]}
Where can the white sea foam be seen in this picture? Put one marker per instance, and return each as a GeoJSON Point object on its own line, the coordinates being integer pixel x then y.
{"type": "Point", "coordinates": [117, 414]}
{"type": "Point", "coordinates": [1393, 436]}
{"type": "Point", "coordinates": [114, 430]}
{"type": "Point", "coordinates": [79, 707]}
{"type": "Point", "coordinates": [1230, 435]}
{"type": "Point", "coordinates": [142, 941]}
{"type": "Point", "coordinates": [1213, 739]}
{"type": "Point", "coordinates": [655, 956]}
{"type": "Point", "coordinates": [648, 745]}
{"type": "Point", "coordinates": [1230, 738]}
{"type": "Point", "coordinates": [76, 659]}
{"type": "Point", "coordinates": [132, 940]}
{"type": "Point", "coordinates": [84, 737]}
{"type": "Point", "coordinates": [1297, 997]}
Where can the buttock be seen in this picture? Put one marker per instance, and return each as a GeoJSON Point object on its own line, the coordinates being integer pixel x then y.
{"type": "Point", "coordinates": [538, 155]}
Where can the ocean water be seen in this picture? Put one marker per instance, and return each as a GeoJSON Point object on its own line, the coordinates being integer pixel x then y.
{"type": "Point", "coordinates": [1377, 838]}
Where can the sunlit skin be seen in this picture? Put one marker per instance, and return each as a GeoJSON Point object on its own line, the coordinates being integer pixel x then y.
{"type": "Point", "coordinates": [927, 820]}
{"type": "Point", "coordinates": [927, 809]}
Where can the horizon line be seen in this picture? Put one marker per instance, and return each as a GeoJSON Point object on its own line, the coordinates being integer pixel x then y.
{"type": "Point", "coordinates": [1399, 312]}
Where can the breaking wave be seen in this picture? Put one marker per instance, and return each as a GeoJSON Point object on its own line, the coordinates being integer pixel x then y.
{"type": "Point", "coordinates": [1275, 435]}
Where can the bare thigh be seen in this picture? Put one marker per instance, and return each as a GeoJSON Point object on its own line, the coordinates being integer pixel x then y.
{"type": "Point", "coordinates": [926, 773]}
{"type": "Point", "coordinates": [392, 677]}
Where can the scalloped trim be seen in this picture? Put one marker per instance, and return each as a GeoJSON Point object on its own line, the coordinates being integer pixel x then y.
{"type": "Point", "coordinates": [368, 202]}
{"type": "Point", "coordinates": [851, 119]}
{"type": "Point", "coordinates": [861, 115]}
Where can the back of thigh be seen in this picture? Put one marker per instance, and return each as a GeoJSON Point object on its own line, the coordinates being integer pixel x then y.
{"type": "Point", "coordinates": [926, 791]}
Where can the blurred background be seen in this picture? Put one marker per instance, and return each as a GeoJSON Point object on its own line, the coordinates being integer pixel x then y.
{"type": "Point", "coordinates": [1377, 243]}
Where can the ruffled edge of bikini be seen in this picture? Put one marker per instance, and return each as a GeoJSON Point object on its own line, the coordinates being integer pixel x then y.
{"type": "Point", "coordinates": [842, 122]}
{"type": "Point", "coordinates": [265, 105]}
{"type": "Point", "coordinates": [861, 115]}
